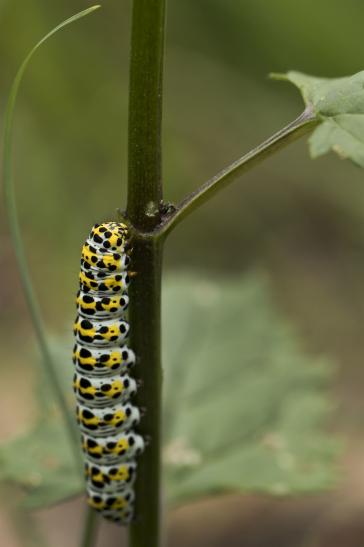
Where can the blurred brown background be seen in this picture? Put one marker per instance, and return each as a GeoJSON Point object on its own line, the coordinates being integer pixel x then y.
{"type": "Point", "coordinates": [301, 221]}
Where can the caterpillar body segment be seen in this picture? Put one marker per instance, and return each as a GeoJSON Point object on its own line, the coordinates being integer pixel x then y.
{"type": "Point", "coordinates": [107, 421]}
{"type": "Point", "coordinates": [110, 478]}
{"type": "Point", "coordinates": [101, 306]}
{"type": "Point", "coordinates": [102, 361]}
{"type": "Point", "coordinates": [100, 391]}
{"type": "Point", "coordinates": [118, 506]}
{"type": "Point", "coordinates": [99, 333]}
{"type": "Point", "coordinates": [116, 448]}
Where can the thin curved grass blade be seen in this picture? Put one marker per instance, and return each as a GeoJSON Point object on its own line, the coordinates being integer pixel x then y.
{"type": "Point", "coordinates": [11, 210]}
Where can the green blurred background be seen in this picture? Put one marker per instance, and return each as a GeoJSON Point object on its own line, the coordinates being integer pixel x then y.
{"type": "Point", "coordinates": [300, 221]}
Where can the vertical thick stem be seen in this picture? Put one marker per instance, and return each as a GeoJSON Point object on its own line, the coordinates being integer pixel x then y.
{"type": "Point", "coordinates": [90, 527]}
{"type": "Point", "coordinates": [145, 113]}
{"type": "Point", "coordinates": [144, 198]}
{"type": "Point", "coordinates": [145, 321]}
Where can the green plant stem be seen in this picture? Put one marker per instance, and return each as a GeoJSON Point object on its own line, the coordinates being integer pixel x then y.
{"type": "Point", "coordinates": [11, 210]}
{"type": "Point", "coordinates": [89, 534]}
{"type": "Point", "coordinates": [143, 214]}
{"type": "Point", "coordinates": [145, 113]}
{"type": "Point", "coordinates": [302, 125]}
{"type": "Point", "coordinates": [145, 321]}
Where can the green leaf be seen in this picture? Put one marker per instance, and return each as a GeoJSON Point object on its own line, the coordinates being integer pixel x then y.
{"type": "Point", "coordinates": [338, 104]}
{"type": "Point", "coordinates": [42, 464]}
{"type": "Point", "coordinates": [50, 472]}
{"type": "Point", "coordinates": [244, 408]}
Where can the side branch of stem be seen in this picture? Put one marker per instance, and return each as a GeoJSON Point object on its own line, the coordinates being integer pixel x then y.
{"type": "Point", "coordinates": [302, 125]}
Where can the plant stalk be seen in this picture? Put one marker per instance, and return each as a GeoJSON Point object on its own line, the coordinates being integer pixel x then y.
{"type": "Point", "coordinates": [90, 527]}
{"type": "Point", "coordinates": [145, 321]}
{"type": "Point", "coordinates": [143, 214]}
{"type": "Point", "coordinates": [145, 113]}
{"type": "Point", "coordinates": [291, 132]}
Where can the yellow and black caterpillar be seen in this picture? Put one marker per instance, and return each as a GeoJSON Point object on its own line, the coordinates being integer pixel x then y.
{"type": "Point", "coordinates": [102, 381]}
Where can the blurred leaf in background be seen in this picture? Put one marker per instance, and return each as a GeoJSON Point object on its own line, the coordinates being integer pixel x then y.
{"type": "Point", "coordinates": [41, 464]}
{"type": "Point", "coordinates": [244, 409]}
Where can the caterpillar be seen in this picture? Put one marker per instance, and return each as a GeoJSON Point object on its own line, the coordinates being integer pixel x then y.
{"type": "Point", "coordinates": [102, 382]}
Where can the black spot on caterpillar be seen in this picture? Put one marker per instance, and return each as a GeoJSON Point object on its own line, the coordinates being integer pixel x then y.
{"type": "Point", "coordinates": [102, 381]}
